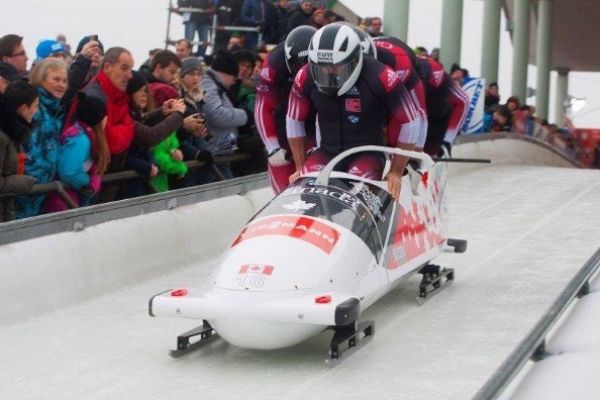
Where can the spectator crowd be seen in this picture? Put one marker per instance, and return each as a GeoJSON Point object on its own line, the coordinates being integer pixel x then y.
{"type": "Point", "coordinates": [76, 115]}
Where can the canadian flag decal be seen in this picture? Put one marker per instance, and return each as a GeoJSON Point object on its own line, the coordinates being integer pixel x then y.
{"type": "Point", "coordinates": [256, 269]}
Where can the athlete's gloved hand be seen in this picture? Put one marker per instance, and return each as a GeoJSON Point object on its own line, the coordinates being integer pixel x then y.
{"type": "Point", "coordinates": [445, 150]}
{"type": "Point", "coordinates": [277, 158]}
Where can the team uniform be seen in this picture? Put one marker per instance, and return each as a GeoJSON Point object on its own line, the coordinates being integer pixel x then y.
{"type": "Point", "coordinates": [397, 55]}
{"type": "Point", "coordinates": [273, 90]}
{"type": "Point", "coordinates": [375, 107]}
{"type": "Point", "coordinates": [447, 105]}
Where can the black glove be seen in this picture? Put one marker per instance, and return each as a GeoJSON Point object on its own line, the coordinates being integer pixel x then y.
{"type": "Point", "coordinates": [445, 148]}
{"type": "Point", "coordinates": [206, 157]}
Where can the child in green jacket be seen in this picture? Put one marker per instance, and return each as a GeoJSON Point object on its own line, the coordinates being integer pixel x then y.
{"type": "Point", "coordinates": [169, 160]}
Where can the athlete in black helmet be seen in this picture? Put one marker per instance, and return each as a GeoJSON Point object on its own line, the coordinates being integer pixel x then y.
{"type": "Point", "coordinates": [276, 79]}
{"type": "Point", "coordinates": [358, 100]}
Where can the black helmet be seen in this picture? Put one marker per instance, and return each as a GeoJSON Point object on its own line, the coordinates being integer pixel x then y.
{"type": "Point", "coordinates": [335, 58]}
{"type": "Point", "coordinates": [366, 42]}
{"type": "Point", "coordinates": [296, 47]}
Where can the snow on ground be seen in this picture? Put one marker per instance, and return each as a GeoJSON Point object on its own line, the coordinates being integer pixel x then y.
{"type": "Point", "coordinates": [529, 230]}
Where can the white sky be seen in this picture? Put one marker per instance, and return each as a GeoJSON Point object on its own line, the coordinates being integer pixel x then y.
{"type": "Point", "coordinates": [140, 25]}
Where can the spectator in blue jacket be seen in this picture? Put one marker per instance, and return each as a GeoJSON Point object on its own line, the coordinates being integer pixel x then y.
{"type": "Point", "coordinates": [84, 154]}
{"type": "Point", "coordinates": [50, 79]}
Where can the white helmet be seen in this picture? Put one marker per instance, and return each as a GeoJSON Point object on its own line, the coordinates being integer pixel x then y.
{"type": "Point", "coordinates": [335, 58]}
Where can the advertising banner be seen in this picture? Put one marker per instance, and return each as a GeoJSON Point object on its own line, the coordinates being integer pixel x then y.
{"type": "Point", "coordinates": [475, 89]}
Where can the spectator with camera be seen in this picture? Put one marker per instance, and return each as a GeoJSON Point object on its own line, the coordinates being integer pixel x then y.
{"type": "Point", "coordinates": [222, 117]}
{"type": "Point", "coordinates": [193, 138]}
{"type": "Point", "coordinates": [164, 68]}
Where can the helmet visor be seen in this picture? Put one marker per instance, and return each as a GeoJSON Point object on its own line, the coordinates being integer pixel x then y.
{"type": "Point", "coordinates": [329, 78]}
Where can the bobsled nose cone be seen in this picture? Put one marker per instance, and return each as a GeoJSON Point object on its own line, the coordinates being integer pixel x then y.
{"type": "Point", "coordinates": [263, 335]}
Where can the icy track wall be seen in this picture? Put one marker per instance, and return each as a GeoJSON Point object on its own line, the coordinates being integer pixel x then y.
{"type": "Point", "coordinates": [50, 272]}
{"type": "Point", "coordinates": [46, 273]}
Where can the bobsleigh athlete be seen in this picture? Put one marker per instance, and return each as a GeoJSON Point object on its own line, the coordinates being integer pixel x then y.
{"type": "Point", "coordinates": [397, 55]}
{"type": "Point", "coordinates": [447, 106]}
{"type": "Point", "coordinates": [275, 83]}
{"type": "Point", "coordinates": [359, 101]}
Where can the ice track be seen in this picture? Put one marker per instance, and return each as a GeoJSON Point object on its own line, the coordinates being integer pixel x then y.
{"type": "Point", "coordinates": [530, 228]}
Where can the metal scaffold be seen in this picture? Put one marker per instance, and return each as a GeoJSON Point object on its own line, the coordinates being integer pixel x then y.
{"type": "Point", "coordinates": [213, 29]}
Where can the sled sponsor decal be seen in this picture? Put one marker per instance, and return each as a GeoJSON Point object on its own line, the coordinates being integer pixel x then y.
{"type": "Point", "coordinates": [345, 198]}
{"type": "Point", "coordinates": [299, 205]}
{"type": "Point", "coordinates": [400, 254]}
{"type": "Point", "coordinates": [371, 200]}
{"type": "Point", "coordinates": [304, 228]}
{"type": "Point", "coordinates": [415, 234]}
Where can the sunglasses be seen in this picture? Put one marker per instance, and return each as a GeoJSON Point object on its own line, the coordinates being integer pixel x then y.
{"type": "Point", "coordinates": [22, 53]}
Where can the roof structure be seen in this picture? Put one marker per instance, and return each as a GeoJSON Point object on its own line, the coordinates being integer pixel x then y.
{"type": "Point", "coordinates": [575, 31]}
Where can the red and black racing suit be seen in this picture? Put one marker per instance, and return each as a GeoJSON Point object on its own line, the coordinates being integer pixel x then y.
{"type": "Point", "coordinates": [447, 105]}
{"type": "Point", "coordinates": [397, 55]}
{"type": "Point", "coordinates": [273, 90]}
{"type": "Point", "coordinates": [377, 105]}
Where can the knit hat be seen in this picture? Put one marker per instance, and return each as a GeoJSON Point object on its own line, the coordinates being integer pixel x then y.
{"type": "Point", "coordinates": [188, 65]}
{"type": "Point", "coordinates": [162, 92]}
{"type": "Point", "coordinates": [136, 82]}
{"type": "Point", "coordinates": [47, 47]}
{"type": "Point", "coordinates": [84, 41]}
{"type": "Point", "coordinates": [90, 109]}
{"type": "Point", "coordinates": [245, 56]}
{"type": "Point", "coordinates": [225, 62]}
{"type": "Point", "coordinates": [9, 73]}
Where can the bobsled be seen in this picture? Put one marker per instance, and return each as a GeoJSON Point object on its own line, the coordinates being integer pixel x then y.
{"type": "Point", "coordinates": [319, 254]}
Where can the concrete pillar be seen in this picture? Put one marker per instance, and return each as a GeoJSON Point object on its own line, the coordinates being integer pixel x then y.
{"type": "Point", "coordinates": [520, 48]}
{"type": "Point", "coordinates": [452, 13]}
{"type": "Point", "coordinates": [544, 57]}
{"type": "Point", "coordinates": [562, 91]}
{"type": "Point", "coordinates": [395, 18]}
{"type": "Point", "coordinates": [492, 11]}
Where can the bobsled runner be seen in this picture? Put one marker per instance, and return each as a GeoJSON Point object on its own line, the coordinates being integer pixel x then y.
{"type": "Point", "coordinates": [318, 255]}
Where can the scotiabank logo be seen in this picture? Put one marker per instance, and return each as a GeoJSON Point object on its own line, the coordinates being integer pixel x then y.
{"type": "Point", "coordinates": [307, 229]}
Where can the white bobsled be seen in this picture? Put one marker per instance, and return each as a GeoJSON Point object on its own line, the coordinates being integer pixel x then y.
{"type": "Point", "coordinates": [316, 256]}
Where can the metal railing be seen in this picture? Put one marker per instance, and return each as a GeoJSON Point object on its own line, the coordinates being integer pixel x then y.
{"type": "Point", "coordinates": [80, 218]}
{"type": "Point", "coordinates": [214, 28]}
{"type": "Point", "coordinates": [533, 346]}
{"type": "Point", "coordinates": [59, 186]}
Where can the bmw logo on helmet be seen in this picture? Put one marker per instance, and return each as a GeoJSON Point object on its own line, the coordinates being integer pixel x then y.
{"type": "Point", "coordinates": [335, 58]}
